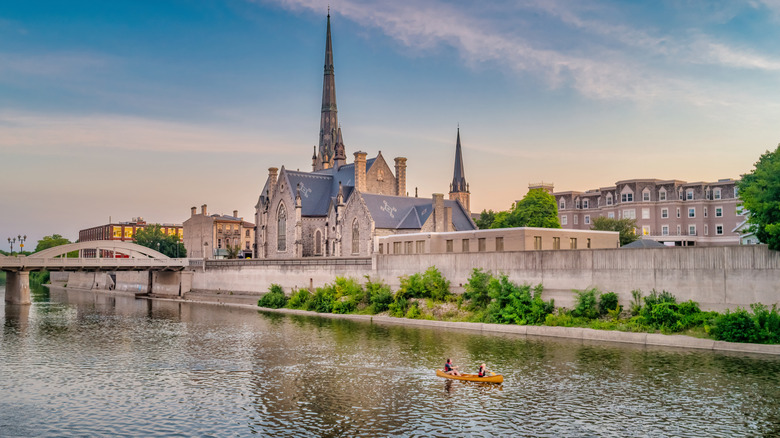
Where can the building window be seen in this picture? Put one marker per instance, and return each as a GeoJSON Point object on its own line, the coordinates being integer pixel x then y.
{"type": "Point", "coordinates": [587, 219]}
{"type": "Point", "coordinates": [573, 243]}
{"type": "Point", "coordinates": [629, 214]}
{"type": "Point", "coordinates": [381, 248]}
{"type": "Point", "coordinates": [128, 233]}
{"type": "Point", "coordinates": [562, 204]}
{"type": "Point", "coordinates": [646, 195]}
{"type": "Point", "coordinates": [645, 230]}
{"type": "Point", "coordinates": [609, 199]}
{"type": "Point", "coordinates": [396, 247]}
{"type": "Point", "coordinates": [449, 245]}
{"type": "Point", "coordinates": [219, 243]}
{"type": "Point", "coordinates": [556, 243]}
{"type": "Point", "coordinates": [736, 192]}
{"type": "Point", "coordinates": [719, 229]}
{"type": "Point", "coordinates": [577, 203]}
{"type": "Point", "coordinates": [645, 213]}
{"type": "Point", "coordinates": [355, 237]}
{"type": "Point", "coordinates": [588, 242]}
{"type": "Point", "coordinates": [718, 211]}
{"type": "Point", "coordinates": [706, 229]}
{"type": "Point", "coordinates": [247, 245]}
{"type": "Point", "coordinates": [409, 247]}
{"type": "Point", "coordinates": [537, 242]}
{"type": "Point", "coordinates": [716, 194]}
{"type": "Point", "coordinates": [247, 233]}
{"type": "Point", "coordinates": [585, 203]}
{"type": "Point", "coordinates": [679, 230]}
{"type": "Point", "coordinates": [481, 244]}
{"type": "Point", "coordinates": [564, 220]}
{"type": "Point", "coordinates": [665, 230]}
{"type": "Point", "coordinates": [576, 218]}
{"type": "Point", "coordinates": [692, 212]}
{"type": "Point", "coordinates": [691, 230]}
{"type": "Point", "coordinates": [627, 197]}
{"type": "Point", "coordinates": [117, 232]}
{"type": "Point", "coordinates": [705, 211]}
{"type": "Point", "coordinates": [317, 242]}
{"type": "Point", "coordinates": [465, 245]}
{"type": "Point", "coordinates": [664, 213]}
{"type": "Point", "coordinates": [420, 247]}
{"type": "Point", "coordinates": [662, 195]}
{"type": "Point", "coordinates": [281, 229]}
{"type": "Point", "coordinates": [219, 228]}
{"type": "Point", "coordinates": [499, 244]}
{"type": "Point", "coordinates": [611, 215]}
{"type": "Point", "coordinates": [678, 212]}
{"type": "Point", "coordinates": [689, 195]}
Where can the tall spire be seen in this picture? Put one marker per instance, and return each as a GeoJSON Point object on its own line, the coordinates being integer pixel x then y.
{"type": "Point", "coordinates": [329, 117]}
{"type": "Point", "coordinates": [458, 176]}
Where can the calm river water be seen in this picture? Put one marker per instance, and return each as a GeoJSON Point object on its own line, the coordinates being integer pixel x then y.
{"type": "Point", "coordinates": [85, 364]}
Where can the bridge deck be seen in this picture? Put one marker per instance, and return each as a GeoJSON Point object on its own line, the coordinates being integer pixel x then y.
{"type": "Point", "coordinates": [88, 264]}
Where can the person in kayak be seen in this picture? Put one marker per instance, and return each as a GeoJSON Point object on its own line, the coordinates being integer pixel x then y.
{"type": "Point", "coordinates": [483, 371]}
{"type": "Point", "coordinates": [451, 369]}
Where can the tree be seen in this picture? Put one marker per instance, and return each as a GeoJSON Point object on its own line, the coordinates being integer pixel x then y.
{"type": "Point", "coordinates": [232, 250]}
{"type": "Point", "coordinates": [536, 209]}
{"type": "Point", "coordinates": [486, 219]}
{"type": "Point", "coordinates": [52, 241]}
{"type": "Point", "coordinates": [153, 237]}
{"type": "Point", "coordinates": [626, 227]}
{"type": "Point", "coordinates": [760, 194]}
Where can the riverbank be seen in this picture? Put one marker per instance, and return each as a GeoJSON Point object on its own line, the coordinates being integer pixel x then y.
{"type": "Point", "coordinates": [583, 334]}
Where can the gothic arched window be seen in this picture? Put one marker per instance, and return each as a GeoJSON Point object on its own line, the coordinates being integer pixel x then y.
{"type": "Point", "coordinates": [355, 237]}
{"type": "Point", "coordinates": [318, 243]}
{"type": "Point", "coordinates": [281, 229]}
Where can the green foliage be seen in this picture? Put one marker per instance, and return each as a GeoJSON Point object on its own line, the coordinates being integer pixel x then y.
{"type": "Point", "coordinates": [608, 302]}
{"type": "Point", "coordinates": [760, 194]}
{"type": "Point", "coordinates": [52, 241]}
{"type": "Point", "coordinates": [39, 277]}
{"type": "Point", "coordinates": [321, 301]}
{"type": "Point", "coordinates": [274, 299]}
{"type": "Point", "coordinates": [486, 219]}
{"type": "Point", "coordinates": [476, 289]}
{"type": "Point", "coordinates": [398, 307]}
{"type": "Point", "coordinates": [413, 312]}
{"type": "Point", "coordinates": [298, 299]}
{"type": "Point", "coordinates": [736, 326]}
{"type": "Point", "coordinates": [430, 284]}
{"type": "Point", "coordinates": [536, 209]}
{"type": "Point", "coordinates": [636, 302]}
{"type": "Point", "coordinates": [513, 304]}
{"type": "Point", "coordinates": [379, 295]}
{"type": "Point", "coordinates": [232, 251]}
{"type": "Point", "coordinates": [586, 304]}
{"type": "Point", "coordinates": [153, 237]}
{"type": "Point", "coordinates": [626, 227]}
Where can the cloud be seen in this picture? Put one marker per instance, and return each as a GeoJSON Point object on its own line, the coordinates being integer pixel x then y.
{"type": "Point", "coordinates": [39, 133]}
{"type": "Point", "coordinates": [607, 57]}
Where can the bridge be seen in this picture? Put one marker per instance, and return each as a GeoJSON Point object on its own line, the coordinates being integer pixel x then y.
{"type": "Point", "coordinates": [134, 258]}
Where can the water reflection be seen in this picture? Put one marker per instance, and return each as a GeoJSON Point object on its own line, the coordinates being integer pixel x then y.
{"type": "Point", "coordinates": [170, 368]}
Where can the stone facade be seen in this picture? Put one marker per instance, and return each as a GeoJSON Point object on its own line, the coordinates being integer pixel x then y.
{"type": "Point", "coordinates": [673, 212]}
{"type": "Point", "coordinates": [338, 209]}
{"type": "Point", "coordinates": [207, 236]}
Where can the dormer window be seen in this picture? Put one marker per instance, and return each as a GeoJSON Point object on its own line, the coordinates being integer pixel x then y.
{"type": "Point", "coordinates": [662, 195]}
{"type": "Point", "coordinates": [562, 204]}
{"type": "Point", "coordinates": [584, 203]}
{"type": "Point", "coordinates": [577, 203]}
{"type": "Point", "coordinates": [627, 197]}
{"type": "Point", "coordinates": [646, 195]}
{"type": "Point", "coordinates": [716, 194]}
{"type": "Point", "coordinates": [609, 199]}
{"type": "Point", "coordinates": [689, 195]}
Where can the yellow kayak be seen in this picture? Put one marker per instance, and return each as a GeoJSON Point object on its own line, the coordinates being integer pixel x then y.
{"type": "Point", "coordinates": [498, 378]}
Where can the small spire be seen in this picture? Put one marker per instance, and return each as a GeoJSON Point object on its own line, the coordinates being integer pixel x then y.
{"type": "Point", "coordinates": [458, 176]}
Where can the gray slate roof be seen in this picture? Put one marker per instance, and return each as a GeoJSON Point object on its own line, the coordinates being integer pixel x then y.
{"type": "Point", "coordinates": [644, 243]}
{"type": "Point", "coordinates": [318, 188]}
{"type": "Point", "coordinates": [402, 212]}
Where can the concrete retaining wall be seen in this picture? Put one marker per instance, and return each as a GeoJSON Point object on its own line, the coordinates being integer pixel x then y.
{"type": "Point", "coordinates": [132, 281]}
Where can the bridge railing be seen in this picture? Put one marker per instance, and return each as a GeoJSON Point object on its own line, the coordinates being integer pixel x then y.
{"type": "Point", "coordinates": [64, 263]}
{"type": "Point", "coordinates": [351, 261]}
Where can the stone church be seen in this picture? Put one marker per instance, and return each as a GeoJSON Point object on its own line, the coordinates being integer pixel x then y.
{"type": "Point", "coordinates": [339, 208]}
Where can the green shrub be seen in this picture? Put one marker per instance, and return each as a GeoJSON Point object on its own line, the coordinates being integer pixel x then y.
{"type": "Point", "coordinates": [398, 307]}
{"type": "Point", "coordinates": [513, 304]}
{"type": "Point", "coordinates": [274, 299]}
{"type": "Point", "coordinates": [414, 311]}
{"type": "Point", "coordinates": [298, 299]}
{"type": "Point", "coordinates": [768, 322]}
{"type": "Point", "coordinates": [322, 300]}
{"type": "Point", "coordinates": [664, 315]}
{"type": "Point", "coordinates": [430, 284]}
{"type": "Point", "coordinates": [379, 296]}
{"type": "Point", "coordinates": [736, 326]}
{"type": "Point", "coordinates": [586, 305]}
{"type": "Point", "coordinates": [476, 289]}
{"type": "Point", "coordinates": [608, 302]}
{"type": "Point", "coordinates": [636, 302]}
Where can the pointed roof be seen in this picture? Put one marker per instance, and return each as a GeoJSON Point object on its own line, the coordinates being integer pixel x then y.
{"type": "Point", "coordinates": [458, 176]}
{"type": "Point", "coordinates": [329, 114]}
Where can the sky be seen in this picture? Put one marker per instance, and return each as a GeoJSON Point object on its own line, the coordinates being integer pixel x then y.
{"type": "Point", "coordinates": [120, 109]}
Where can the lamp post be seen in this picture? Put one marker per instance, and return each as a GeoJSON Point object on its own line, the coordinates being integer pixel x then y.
{"type": "Point", "coordinates": [11, 242]}
{"type": "Point", "coordinates": [21, 243]}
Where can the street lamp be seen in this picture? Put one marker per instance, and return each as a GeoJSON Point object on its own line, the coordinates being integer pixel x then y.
{"type": "Point", "coordinates": [11, 242]}
{"type": "Point", "coordinates": [21, 242]}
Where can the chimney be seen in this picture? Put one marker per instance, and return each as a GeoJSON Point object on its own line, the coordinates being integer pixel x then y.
{"type": "Point", "coordinates": [235, 213]}
{"type": "Point", "coordinates": [400, 176]}
{"type": "Point", "coordinates": [438, 212]}
{"type": "Point", "coordinates": [360, 171]}
{"type": "Point", "coordinates": [194, 210]}
{"type": "Point", "coordinates": [272, 174]}
{"type": "Point", "coordinates": [203, 210]}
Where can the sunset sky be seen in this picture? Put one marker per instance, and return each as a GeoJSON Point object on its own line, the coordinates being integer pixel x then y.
{"type": "Point", "coordinates": [126, 108]}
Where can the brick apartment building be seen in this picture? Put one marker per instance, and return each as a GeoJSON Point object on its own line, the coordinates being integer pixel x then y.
{"type": "Point", "coordinates": [121, 231]}
{"type": "Point", "coordinates": [208, 236]}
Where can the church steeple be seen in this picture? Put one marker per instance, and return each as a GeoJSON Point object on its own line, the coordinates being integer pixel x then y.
{"type": "Point", "coordinates": [459, 189]}
{"type": "Point", "coordinates": [329, 116]}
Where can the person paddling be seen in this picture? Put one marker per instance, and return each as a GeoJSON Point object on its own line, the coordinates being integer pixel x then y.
{"type": "Point", "coordinates": [483, 371]}
{"type": "Point", "coordinates": [451, 369]}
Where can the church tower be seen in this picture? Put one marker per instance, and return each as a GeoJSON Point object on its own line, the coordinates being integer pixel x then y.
{"type": "Point", "coordinates": [459, 189]}
{"type": "Point", "coordinates": [329, 122]}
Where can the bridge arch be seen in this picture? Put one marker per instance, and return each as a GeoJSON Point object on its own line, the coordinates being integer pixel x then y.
{"type": "Point", "coordinates": [132, 250]}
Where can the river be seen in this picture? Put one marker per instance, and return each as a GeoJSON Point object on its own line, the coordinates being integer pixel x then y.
{"type": "Point", "coordinates": [85, 364]}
